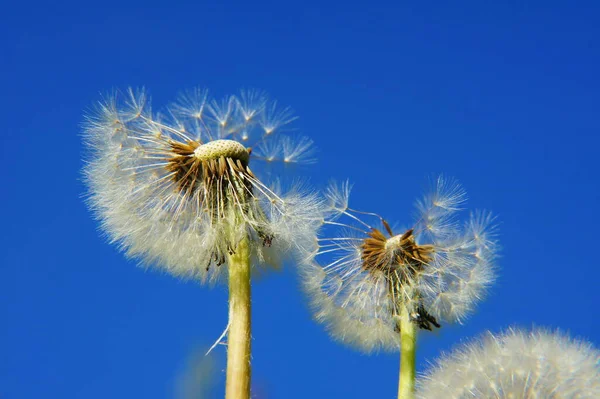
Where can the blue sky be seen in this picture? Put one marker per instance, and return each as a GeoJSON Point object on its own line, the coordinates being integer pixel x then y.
{"type": "Point", "coordinates": [503, 96]}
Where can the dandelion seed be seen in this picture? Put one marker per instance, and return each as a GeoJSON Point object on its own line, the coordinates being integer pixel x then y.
{"type": "Point", "coordinates": [516, 364]}
{"type": "Point", "coordinates": [274, 118]}
{"type": "Point", "coordinates": [288, 150]}
{"type": "Point", "coordinates": [251, 103]}
{"type": "Point", "coordinates": [437, 270]}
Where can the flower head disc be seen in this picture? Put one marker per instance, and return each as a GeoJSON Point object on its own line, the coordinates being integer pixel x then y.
{"type": "Point", "coordinates": [194, 162]}
{"type": "Point", "coordinates": [399, 254]}
{"type": "Point", "coordinates": [222, 148]}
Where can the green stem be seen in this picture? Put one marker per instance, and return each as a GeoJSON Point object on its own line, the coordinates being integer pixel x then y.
{"type": "Point", "coordinates": [408, 346]}
{"type": "Point", "coordinates": [238, 338]}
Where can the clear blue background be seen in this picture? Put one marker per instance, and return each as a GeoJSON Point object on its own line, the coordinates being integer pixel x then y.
{"type": "Point", "coordinates": [504, 96]}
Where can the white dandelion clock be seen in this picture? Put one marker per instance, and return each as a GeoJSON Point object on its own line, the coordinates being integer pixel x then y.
{"type": "Point", "coordinates": [177, 192]}
{"type": "Point", "coordinates": [438, 269]}
{"type": "Point", "coordinates": [518, 365]}
{"type": "Point", "coordinates": [378, 286]}
{"type": "Point", "coordinates": [175, 189]}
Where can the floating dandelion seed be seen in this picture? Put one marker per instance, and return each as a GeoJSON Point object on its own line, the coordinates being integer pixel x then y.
{"type": "Point", "coordinates": [176, 190]}
{"type": "Point", "coordinates": [436, 271]}
{"type": "Point", "coordinates": [516, 364]}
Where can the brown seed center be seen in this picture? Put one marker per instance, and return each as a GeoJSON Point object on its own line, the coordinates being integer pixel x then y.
{"type": "Point", "coordinates": [193, 162]}
{"type": "Point", "coordinates": [387, 254]}
{"type": "Point", "coordinates": [400, 259]}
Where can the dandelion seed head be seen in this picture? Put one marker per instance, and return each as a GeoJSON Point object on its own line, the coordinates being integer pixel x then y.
{"type": "Point", "coordinates": [175, 189]}
{"type": "Point", "coordinates": [515, 364]}
{"type": "Point", "coordinates": [370, 272]}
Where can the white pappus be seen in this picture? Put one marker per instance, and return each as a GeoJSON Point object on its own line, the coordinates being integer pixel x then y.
{"type": "Point", "coordinates": [175, 189]}
{"type": "Point", "coordinates": [536, 364]}
{"type": "Point", "coordinates": [437, 270]}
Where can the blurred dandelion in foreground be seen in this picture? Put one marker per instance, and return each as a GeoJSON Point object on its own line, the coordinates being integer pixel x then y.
{"type": "Point", "coordinates": [196, 379]}
{"type": "Point", "coordinates": [175, 190]}
{"type": "Point", "coordinates": [516, 365]}
{"type": "Point", "coordinates": [382, 285]}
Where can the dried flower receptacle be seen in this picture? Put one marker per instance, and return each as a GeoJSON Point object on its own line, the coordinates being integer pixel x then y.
{"type": "Point", "coordinates": [400, 259]}
{"type": "Point", "coordinates": [221, 167]}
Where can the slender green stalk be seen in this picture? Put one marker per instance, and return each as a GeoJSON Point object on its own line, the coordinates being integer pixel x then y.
{"type": "Point", "coordinates": [238, 338]}
{"type": "Point", "coordinates": [408, 346]}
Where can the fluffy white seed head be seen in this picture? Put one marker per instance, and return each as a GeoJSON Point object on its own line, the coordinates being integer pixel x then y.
{"type": "Point", "coordinates": [515, 365]}
{"type": "Point", "coordinates": [175, 189]}
{"type": "Point", "coordinates": [439, 269]}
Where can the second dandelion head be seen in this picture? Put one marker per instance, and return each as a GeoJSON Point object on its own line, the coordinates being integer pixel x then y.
{"type": "Point", "coordinates": [436, 271]}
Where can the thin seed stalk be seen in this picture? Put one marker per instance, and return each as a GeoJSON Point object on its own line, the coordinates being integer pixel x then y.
{"type": "Point", "coordinates": [238, 338]}
{"type": "Point", "coordinates": [408, 346]}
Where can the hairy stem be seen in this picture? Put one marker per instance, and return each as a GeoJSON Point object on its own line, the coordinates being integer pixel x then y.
{"type": "Point", "coordinates": [238, 339]}
{"type": "Point", "coordinates": [408, 346]}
